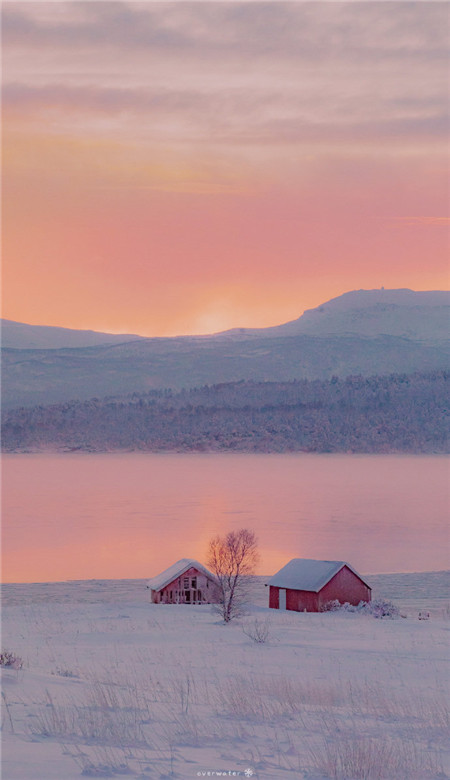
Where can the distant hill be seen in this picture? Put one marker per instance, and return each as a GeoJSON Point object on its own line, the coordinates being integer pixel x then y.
{"type": "Point", "coordinates": [396, 413]}
{"type": "Point", "coordinates": [420, 316]}
{"type": "Point", "coordinates": [18, 335]}
{"type": "Point", "coordinates": [363, 332]}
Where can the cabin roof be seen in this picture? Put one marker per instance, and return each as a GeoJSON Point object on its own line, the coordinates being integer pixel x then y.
{"type": "Point", "coordinates": [308, 574]}
{"type": "Point", "coordinates": [176, 570]}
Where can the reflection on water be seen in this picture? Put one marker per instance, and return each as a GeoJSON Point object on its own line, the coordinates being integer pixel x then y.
{"type": "Point", "coordinates": [130, 515]}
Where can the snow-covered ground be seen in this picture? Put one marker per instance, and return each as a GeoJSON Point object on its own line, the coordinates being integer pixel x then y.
{"type": "Point", "coordinates": [113, 685]}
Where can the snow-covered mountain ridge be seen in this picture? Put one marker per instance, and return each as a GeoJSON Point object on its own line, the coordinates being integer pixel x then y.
{"type": "Point", "coordinates": [366, 332]}
{"type": "Point", "coordinates": [421, 316]}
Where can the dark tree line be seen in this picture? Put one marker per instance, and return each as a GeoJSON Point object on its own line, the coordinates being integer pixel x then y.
{"type": "Point", "coordinates": [379, 414]}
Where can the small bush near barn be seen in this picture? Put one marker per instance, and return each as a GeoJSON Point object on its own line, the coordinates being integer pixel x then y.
{"type": "Point", "coordinates": [379, 608]}
{"type": "Point", "coordinates": [332, 606]}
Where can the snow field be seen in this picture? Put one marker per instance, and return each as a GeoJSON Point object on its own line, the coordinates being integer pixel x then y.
{"type": "Point", "coordinates": [112, 685]}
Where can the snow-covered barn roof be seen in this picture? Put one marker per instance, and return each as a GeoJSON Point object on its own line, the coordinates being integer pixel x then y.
{"type": "Point", "coordinates": [176, 570]}
{"type": "Point", "coordinates": [308, 574]}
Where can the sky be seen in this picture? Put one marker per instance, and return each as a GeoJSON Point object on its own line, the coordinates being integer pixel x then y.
{"type": "Point", "coordinates": [176, 167]}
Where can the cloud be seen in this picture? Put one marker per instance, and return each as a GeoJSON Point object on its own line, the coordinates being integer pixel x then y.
{"type": "Point", "coordinates": [229, 73]}
{"type": "Point", "coordinates": [98, 99]}
{"type": "Point", "coordinates": [88, 24]}
{"type": "Point", "coordinates": [303, 30]}
{"type": "Point", "coordinates": [236, 117]}
{"type": "Point", "coordinates": [425, 221]}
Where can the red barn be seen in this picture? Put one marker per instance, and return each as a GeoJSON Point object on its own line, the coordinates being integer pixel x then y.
{"type": "Point", "coordinates": [185, 582]}
{"type": "Point", "coordinates": [306, 585]}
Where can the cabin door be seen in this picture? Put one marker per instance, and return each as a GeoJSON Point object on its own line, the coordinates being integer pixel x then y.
{"type": "Point", "coordinates": [282, 598]}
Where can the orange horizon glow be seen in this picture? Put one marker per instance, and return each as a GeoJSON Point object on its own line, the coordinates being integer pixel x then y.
{"type": "Point", "coordinates": [219, 321]}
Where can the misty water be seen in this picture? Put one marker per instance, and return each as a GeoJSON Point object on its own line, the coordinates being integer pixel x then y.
{"type": "Point", "coordinates": [113, 516]}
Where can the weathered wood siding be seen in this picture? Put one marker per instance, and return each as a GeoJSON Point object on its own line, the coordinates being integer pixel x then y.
{"type": "Point", "coordinates": [182, 591]}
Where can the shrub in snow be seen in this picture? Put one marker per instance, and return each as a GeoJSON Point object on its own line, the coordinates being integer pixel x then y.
{"type": "Point", "coordinates": [380, 608]}
{"type": "Point", "coordinates": [10, 660]}
{"type": "Point", "coordinates": [64, 673]}
{"type": "Point", "coordinates": [258, 630]}
{"type": "Point", "coordinates": [335, 606]}
{"type": "Point", "coordinates": [331, 606]}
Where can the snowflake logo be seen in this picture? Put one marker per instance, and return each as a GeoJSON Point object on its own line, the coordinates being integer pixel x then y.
{"type": "Point", "coordinates": [248, 773]}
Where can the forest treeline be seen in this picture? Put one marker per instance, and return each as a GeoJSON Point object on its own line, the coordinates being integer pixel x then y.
{"type": "Point", "coordinates": [379, 414]}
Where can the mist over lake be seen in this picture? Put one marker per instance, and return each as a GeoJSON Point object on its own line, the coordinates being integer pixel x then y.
{"type": "Point", "coordinates": [82, 516]}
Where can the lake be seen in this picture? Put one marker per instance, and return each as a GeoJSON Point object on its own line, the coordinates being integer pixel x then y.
{"type": "Point", "coordinates": [119, 516]}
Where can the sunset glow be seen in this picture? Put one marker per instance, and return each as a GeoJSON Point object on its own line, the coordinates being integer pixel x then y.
{"type": "Point", "coordinates": [185, 168]}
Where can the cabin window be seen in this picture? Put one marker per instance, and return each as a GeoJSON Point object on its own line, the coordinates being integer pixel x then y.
{"type": "Point", "coordinates": [186, 583]}
{"type": "Point", "coordinates": [188, 596]}
{"type": "Point", "coordinates": [199, 595]}
{"type": "Point", "coordinates": [171, 595]}
{"type": "Point", "coordinates": [194, 582]}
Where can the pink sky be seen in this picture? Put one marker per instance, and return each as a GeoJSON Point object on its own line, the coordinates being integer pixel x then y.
{"type": "Point", "coordinates": [185, 168]}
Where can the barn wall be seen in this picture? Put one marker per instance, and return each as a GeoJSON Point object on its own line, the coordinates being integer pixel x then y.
{"type": "Point", "coordinates": [296, 600]}
{"type": "Point", "coordinates": [299, 600]}
{"type": "Point", "coordinates": [344, 586]}
{"type": "Point", "coordinates": [274, 602]}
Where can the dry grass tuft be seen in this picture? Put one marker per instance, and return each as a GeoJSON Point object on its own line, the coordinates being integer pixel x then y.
{"type": "Point", "coordinates": [362, 758]}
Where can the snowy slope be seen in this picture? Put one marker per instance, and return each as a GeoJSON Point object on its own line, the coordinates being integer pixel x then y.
{"type": "Point", "coordinates": [18, 335]}
{"type": "Point", "coordinates": [420, 316]}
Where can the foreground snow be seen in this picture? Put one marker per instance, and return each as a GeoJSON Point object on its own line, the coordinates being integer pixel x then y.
{"type": "Point", "coordinates": [113, 685]}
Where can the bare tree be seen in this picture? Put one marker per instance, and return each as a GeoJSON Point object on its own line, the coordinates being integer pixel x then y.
{"type": "Point", "coordinates": [233, 558]}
